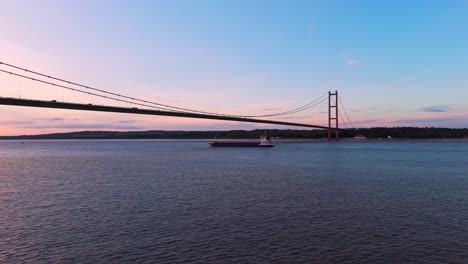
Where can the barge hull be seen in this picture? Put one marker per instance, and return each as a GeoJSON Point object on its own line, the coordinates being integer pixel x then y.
{"type": "Point", "coordinates": [239, 144]}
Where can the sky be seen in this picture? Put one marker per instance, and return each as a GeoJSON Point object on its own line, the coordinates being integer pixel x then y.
{"type": "Point", "coordinates": [394, 63]}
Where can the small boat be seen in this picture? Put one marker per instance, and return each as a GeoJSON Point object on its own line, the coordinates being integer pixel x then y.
{"type": "Point", "coordinates": [360, 137]}
{"type": "Point", "coordinates": [265, 142]}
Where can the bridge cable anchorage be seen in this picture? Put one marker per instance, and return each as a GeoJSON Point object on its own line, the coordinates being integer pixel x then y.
{"type": "Point", "coordinates": [346, 113]}
{"type": "Point", "coordinates": [163, 106]}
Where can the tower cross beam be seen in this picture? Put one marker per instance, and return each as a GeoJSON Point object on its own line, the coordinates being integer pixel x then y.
{"type": "Point", "coordinates": [333, 115]}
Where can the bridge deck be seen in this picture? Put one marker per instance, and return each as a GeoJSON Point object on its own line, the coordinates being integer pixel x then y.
{"type": "Point", "coordinates": [114, 109]}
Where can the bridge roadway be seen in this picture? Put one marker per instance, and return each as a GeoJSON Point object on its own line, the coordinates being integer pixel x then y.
{"type": "Point", "coordinates": [115, 109]}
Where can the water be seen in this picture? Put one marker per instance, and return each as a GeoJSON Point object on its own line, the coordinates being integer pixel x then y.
{"type": "Point", "coordinates": [183, 202]}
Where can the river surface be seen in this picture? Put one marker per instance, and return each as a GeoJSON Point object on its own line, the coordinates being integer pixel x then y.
{"type": "Point", "coordinates": [176, 201]}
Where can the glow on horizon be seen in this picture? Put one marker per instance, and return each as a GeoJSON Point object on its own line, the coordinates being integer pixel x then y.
{"type": "Point", "coordinates": [396, 63]}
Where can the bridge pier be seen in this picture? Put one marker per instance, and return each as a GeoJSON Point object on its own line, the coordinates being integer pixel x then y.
{"type": "Point", "coordinates": [333, 115]}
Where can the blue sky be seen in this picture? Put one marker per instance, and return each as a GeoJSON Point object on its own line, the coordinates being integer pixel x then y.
{"type": "Point", "coordinates": [393, 62]}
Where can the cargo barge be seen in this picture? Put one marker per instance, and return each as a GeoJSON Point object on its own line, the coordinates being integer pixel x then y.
{"type": "Point", "coordinates": [265, 142]}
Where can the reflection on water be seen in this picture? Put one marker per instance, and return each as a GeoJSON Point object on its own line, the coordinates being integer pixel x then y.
{"type": "Point", "coordinates": [183, 202]}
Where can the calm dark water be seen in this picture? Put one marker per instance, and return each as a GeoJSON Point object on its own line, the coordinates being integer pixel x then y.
{"type": "Point", "coordinates": [183, 202]}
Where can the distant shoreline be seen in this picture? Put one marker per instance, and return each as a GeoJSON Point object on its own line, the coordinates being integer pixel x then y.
{"type": "Point", "coordinates": [276, 134]}
{"type": "Point", "coordinates": [213, 139]}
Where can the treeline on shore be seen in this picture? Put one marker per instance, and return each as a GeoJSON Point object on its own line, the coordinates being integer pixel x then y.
{"type": "Point", "coordinates": [377, 132]}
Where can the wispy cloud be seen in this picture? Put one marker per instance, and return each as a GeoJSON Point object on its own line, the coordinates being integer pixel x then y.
{"type": "Point", "coordinates": [62, 123]}
{"type": "Point", "coordinates": [126, 121]}
{"type": "Point", "coordinates": [352, 61]}
{"type": "Point", "coordinates": [451, 121]}
{"type": "Point", "coordinates": [17, 122]}
{"type": "Point", "coordinates": [436, 108]}
{"type": "Point", "coordinates": [36, 121]}
{"type": "Point", "coordinates": [408, 78]}
{"type": "Point", "coordinates": [84, 126]}
{"type": "Point", "coordinates": [56, 119]}
{"type": "Point", "coordinates": [368, 121]}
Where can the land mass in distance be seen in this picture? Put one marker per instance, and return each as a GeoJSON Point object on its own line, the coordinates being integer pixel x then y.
{"type": "Point", "coordinates": [371, 133]}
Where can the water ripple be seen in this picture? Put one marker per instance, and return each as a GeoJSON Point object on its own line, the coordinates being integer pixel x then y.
{"type": "Point", "coordinates": [182, 202]}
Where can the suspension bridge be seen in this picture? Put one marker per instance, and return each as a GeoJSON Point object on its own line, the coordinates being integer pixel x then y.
{"type": "Point", "coordinates": [147, 107]}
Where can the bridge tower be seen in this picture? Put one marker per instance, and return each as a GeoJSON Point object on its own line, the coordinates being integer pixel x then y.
{"type": "Point", "coordinates": [333, 115]}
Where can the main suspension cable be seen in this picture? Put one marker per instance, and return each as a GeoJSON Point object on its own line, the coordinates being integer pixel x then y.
{"type": "Point", "coordinates": [346, 113]}
{"type": "Point", "coordinates": [81, 91]}
{"type": "Point", "coordinates": [299, 109]}
{"type": "Point", "coordinates": [343, 121]}
{"type": "Point", "coordinates": [160, 106]}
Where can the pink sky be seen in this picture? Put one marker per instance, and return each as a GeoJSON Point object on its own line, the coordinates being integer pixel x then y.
{"type": "Point", "coordinates": [257, 65]}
